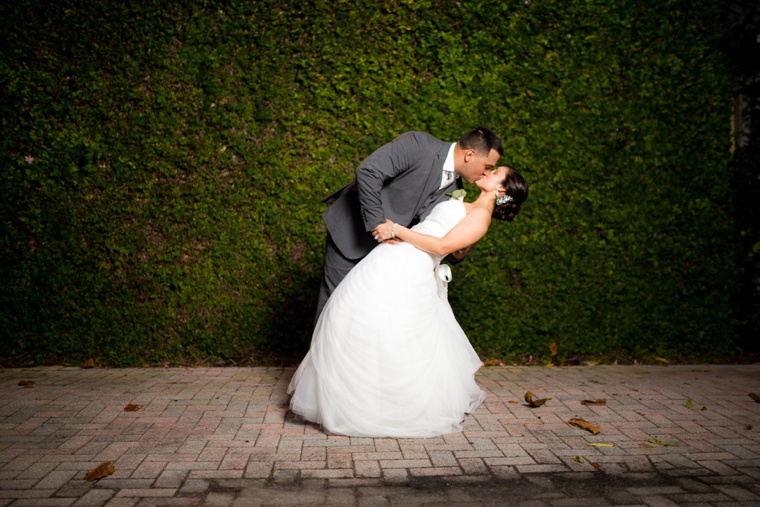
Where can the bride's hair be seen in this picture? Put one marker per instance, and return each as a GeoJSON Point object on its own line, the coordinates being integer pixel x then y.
{"type": "Point", "coordinates": [517, 189]}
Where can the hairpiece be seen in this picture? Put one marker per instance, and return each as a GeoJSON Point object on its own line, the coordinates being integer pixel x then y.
{"type": "Point", "coordinates": [504, 199]}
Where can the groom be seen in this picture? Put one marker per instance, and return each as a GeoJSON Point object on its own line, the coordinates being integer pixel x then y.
{"type": "Point", "coordinates": [401, 181]}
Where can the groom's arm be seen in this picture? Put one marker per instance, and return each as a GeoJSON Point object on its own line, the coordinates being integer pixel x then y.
{"type": "Point", "coordinates": [385, 163]}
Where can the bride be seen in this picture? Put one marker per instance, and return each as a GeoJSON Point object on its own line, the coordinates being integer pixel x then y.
{"type": "Point", "coordinates": [387, 357]}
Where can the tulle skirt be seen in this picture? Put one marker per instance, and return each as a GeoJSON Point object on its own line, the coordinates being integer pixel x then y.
{"type": "Point", "coordinates": [387, 357]}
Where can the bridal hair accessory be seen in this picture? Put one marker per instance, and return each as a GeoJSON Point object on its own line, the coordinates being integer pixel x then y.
{"type": "Point", "coordinates": [504, 199]}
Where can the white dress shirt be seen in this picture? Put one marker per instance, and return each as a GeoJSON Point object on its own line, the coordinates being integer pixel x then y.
{"type": "Point", "coordinates": [448, 176]}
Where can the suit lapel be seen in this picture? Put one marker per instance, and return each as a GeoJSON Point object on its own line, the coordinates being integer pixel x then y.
{"type": "Point", "coordinates": [431, 193]}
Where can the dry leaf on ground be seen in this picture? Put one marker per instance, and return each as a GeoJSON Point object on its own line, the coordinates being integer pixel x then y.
{"type": "Point", "coordinates": [599, 444]}
{"type": "Point", "coordinates": [90, 363]}
{"type": "Point", "coordinates": [594, 464]}
{"type": "Point", "coordinates": [659, 442]}
{"type": "Point", "coordinates": [585, 425]}
{"type": "Point", "coordinates": [578, 459]}
{"type": "Point", "coordinates": [534, 403]}
{"type": "Point", "coordinates": [598, 401]}
{"type": "Point", "coordinates": [26, 383]}
{"type": "Point", "coordinates": [132, 408]}
{"type": "Point", "coordinates": [103, 470]}
{"type": "Point", "coordinates": [754, 397]}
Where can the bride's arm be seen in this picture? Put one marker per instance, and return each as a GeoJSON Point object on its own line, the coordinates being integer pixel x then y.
{"type": "Point", "coordinates": [466, 233]}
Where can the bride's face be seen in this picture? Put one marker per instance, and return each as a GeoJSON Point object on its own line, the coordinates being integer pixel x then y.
{"type": "Point", "coordinates": [493, 180]}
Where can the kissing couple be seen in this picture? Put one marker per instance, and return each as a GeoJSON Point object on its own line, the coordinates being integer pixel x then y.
{"type": "Point", "coordinates": [387, 356]}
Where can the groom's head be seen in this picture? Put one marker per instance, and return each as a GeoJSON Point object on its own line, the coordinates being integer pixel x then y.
{"type": "Point", "coordinates": [476, 153]}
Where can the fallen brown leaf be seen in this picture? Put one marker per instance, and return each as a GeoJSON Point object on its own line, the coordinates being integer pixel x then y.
{"type": "Point", "coordinates": [103, 470]}
{"type": "Point", "coordinates": [132, 408]}
{"type": "Point", "coordinates": [534, 403]}
{"type": "Point", "coordinates": [598, 401]}
{"type": "Point", "coordinates": [594, 464]}
{"type": "Point", "coordinates": [514, 402]}
{"type": "Point", "coordinates": [585, 425]}
{"type": "Point", "coordinates": [754, 397]}
{"type": "Point", "coordinates": [491, 362]}
{"type": "Point", "coordinates": [90, 363]}
{"type": "Point", "coordinates": [26, 383]}
{"type": "Point", "coordinates": [646, 445]}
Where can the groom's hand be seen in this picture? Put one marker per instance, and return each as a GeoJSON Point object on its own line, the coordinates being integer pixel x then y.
{"type": "Point", "coordinates": [460, 254]}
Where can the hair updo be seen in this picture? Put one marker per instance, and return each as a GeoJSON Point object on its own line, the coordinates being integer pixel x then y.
{"type": "Point", "coordinates": [517, 189]}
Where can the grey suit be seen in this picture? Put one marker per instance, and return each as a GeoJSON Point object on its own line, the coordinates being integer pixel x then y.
{"type": "Point", "coordinates": [400, 181]}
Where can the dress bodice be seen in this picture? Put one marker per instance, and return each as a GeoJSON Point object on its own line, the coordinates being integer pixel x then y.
{"type": "Point", "coordinates": [442, 219]}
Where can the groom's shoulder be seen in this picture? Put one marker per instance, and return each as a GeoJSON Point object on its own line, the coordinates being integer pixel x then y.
{"type": "Point", "coordinates": [419, 138]}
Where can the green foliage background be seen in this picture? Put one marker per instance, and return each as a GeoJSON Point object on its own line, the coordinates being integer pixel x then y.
{"type": "Point", "coordinates": [162, 164]}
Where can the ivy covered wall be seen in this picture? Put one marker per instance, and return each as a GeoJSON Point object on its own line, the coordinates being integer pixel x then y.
{"type": "Point", "coordinates": [162, 165]}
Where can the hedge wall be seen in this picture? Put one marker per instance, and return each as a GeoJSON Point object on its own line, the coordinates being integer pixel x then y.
{"type": "Point", "coordinates": [162, 164]}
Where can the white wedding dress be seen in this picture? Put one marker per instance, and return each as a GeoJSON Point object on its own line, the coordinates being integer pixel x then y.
{"type": "Point", "coordinates": [387, 357]}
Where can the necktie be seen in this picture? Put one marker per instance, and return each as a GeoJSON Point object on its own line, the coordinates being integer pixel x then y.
{"type": "Point", "coordinates": [448, 178]}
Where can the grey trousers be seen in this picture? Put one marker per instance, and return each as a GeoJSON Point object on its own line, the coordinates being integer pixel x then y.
{"type": "Point", "coordinates": [335, 270]}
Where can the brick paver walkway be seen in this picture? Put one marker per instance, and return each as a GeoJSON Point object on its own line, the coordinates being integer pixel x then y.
{"type": "Point", "coordinates": [224, 437]}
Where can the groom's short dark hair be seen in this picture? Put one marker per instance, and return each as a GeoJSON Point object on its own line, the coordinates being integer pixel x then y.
{"type": "Point", "coordinates": [482, 140]}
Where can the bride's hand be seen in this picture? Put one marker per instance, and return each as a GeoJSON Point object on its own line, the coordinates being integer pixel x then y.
{"type": "Point", "coordinates": [384, 232]}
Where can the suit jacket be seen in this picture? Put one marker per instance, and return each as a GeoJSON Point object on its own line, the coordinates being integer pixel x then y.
{"type": "Point", "coordinates": [399, 181]}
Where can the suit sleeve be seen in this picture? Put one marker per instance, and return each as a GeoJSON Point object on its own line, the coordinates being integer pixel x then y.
{"type": "Point", "coordinates": [385, 163]}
